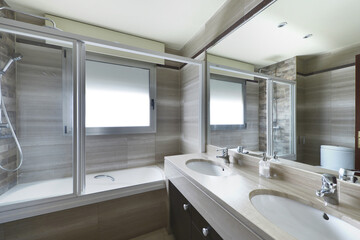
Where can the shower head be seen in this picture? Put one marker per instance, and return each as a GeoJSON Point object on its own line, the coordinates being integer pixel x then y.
{"type": "Point", "coordinates": [16, 57]}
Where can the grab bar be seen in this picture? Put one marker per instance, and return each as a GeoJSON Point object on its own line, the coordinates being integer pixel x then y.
{"type": "Point", "coordinates": [31, 15]}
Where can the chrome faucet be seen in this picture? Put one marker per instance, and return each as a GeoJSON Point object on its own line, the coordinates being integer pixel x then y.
{"type": "Point", "coordinates": [348, 175]}
{"type": "Point", "coordinates": [275, 155]}
{"type": "Point", "coordinates": [328, 189]}
{"type": "Point", "coordinates": [224, 154]}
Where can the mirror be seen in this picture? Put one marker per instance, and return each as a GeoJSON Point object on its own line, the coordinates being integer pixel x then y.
{"type": "Point", "coordinates": [226, 95]}
{"type": "Point", "coordinates": [314, 122]}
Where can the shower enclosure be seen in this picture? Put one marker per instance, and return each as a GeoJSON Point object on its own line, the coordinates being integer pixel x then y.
{"type": "Point", "coordinates": [281, 127]}
{"type": "Point", "coordinates": [44, 94]}
{"type": "Point", "coordinates": [35, 136]}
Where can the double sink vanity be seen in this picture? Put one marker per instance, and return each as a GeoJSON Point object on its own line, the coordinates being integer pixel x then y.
{"type": "Point", "coordinates": [233, 202]}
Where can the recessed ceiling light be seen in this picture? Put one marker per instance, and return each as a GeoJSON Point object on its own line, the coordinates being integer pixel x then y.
{"type": "Point", "coordinates": [308, 36]}
{"type": "Point", "coordinates": [283, 24]}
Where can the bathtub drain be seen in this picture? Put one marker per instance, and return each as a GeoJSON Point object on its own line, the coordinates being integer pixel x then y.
{"type": "Point", "coordinates": [104, 176]}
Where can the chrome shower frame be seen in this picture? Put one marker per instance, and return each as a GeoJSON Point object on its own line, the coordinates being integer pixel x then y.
{"type": "Point", "coordinates": [269, 115]}
{"type": "Point", "coordinates": [79, 42]}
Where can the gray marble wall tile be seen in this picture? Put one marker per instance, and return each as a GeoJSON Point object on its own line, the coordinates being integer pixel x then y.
{"type": "Point", "coordinates": [329, 112]}
{"type": "Point", "coordinates": [105, 153]}
{"type": "Point", "coordinates": [8, 152]}
{"type": "Point", "coordinates": [48, 152]}
{"type": "Point", "coordinates": [190, 85]}
{"type": "Point", "coordinates": [168, 113]}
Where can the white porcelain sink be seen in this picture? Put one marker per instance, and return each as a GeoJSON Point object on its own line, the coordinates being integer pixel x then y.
{"type": "Point", "coordinates": [208, 167]}
{"type": "Point", "coordinates": [302, 221]}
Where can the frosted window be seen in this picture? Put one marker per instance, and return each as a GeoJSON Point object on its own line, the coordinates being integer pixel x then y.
{"type": "Point", "coordinates": [226, 103]}
{"type": "Point", "coordinates": [117, 95]}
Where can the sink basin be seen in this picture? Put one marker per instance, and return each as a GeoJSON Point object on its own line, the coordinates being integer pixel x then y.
{"type": "Point", "coordinates": [208, 167]}
{"type": "Point", "coordinates": [300, 220]}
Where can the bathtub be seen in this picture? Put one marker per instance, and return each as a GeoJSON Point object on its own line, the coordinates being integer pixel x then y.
{"type": "Point", "coordinates": [95, 183]}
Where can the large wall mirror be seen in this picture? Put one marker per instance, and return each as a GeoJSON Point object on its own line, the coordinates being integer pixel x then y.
{"type": "Point", "coordinates": [312, 44]}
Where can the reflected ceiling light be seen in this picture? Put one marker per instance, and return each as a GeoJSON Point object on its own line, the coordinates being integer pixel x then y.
{"type": "Point", "coordinates": [283, 24]}
{"type": "Point", "coordinates": [308, 36]}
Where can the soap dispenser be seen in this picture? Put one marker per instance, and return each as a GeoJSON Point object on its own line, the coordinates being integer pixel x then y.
{"type": "Point", "coordinates": [264, 167]}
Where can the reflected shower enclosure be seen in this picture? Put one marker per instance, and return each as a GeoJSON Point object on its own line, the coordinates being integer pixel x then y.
{"type": "Point", "coordinates": [281, 128]}
{"type": "Point", "coordinates": [252, 110]}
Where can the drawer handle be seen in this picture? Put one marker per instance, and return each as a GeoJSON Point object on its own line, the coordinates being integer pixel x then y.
{"type": "Point", "coordinates": [186, 206]}
{"type": "Point", "coordinates": [205, 231]}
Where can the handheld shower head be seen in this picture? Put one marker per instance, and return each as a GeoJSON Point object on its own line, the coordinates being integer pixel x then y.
{"type": "Point", "coordinates": [16, 57]}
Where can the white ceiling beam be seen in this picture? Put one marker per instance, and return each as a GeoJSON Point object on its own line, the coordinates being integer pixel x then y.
{"type": "Point", "coordinates": [230, 16]}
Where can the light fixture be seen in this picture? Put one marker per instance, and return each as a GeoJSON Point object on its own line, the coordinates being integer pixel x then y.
{"type": "Point", "coordinates": [283, 24]}
{"type": "Point", "coordinates": [308, 36]}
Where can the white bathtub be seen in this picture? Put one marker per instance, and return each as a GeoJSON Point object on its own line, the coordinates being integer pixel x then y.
{"type": "Point", "coordinates": [104, 182]}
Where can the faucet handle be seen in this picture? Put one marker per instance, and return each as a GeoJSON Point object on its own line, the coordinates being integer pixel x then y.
{"type": "Point", "coordinates": [328, 189]}
{"type": "Point", "coordinates": [348, 175]}
{"type": "Point", "coordinates": [329, 180]}
{"type": "Point", "coordinates": [225, 151]}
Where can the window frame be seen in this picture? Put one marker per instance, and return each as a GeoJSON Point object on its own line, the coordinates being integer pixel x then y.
{"type": "Point", "coordinates": [152, 95]}
{"type": "Point", "coordinates": [224, 78]}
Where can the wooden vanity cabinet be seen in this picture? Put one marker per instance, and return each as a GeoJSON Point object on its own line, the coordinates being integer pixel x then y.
{"type": "Point", "coordinates": [180, 218]}
{"type": "Point", "coordinates": [185, 221]}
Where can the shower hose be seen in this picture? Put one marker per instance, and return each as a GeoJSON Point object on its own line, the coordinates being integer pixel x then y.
{"type": "Point", "coordinates": [15, 138]}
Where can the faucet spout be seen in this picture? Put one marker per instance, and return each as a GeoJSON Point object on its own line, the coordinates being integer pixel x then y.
{"type": "Point", "coordinates": [224, 154]}
{"type": "Point", "coordinates": [324, 192]}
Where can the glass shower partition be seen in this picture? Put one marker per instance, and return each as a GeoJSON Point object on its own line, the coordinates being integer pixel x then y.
{"type": "Point", "coordinates": [281, 119]}
{"type": "Point", "coordinates": [37, 91]}
{"type": "Point", "coordinates": [45, 97]}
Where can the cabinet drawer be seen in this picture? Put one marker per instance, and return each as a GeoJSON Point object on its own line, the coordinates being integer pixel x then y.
{"type": "Point", "coordinates": [199, 223]}
{"type": "Point", "coordinates": [196, 234]}
{"type": "Point", "coordinates": [186, 222]}
{"type": "Point", "coordinates": [180, 219]}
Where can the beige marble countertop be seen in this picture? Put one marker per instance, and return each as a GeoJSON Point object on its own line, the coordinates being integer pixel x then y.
{"type": "Point", "coordinates": [233, 193]}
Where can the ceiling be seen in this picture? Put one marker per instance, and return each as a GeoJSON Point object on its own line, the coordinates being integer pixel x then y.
{"type": "Point", "coordinates": [334, 24]}
{"type": "Point", "coordinates": [169, 21]}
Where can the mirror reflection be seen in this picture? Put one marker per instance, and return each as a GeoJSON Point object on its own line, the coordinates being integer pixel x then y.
{"type": "Point", "coordinates": [311, 118]}
{"type": "Point", "coordinates": [227, 95]}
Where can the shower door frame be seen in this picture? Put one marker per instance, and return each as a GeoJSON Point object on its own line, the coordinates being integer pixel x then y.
{"type": "Point", "coordinates": [357, 112]}
{"type": "Point", "coordinates": [269, 108]}
{"type": "Point", "coordinates": [23, 29]}
{"type": "Point", "coordinates": [31, 208]}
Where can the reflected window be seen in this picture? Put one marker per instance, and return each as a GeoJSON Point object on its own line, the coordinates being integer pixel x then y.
{"type": "Point", "coordinates": [227, 102]}
{"type": "Point", "coordinates": [119, 97]}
